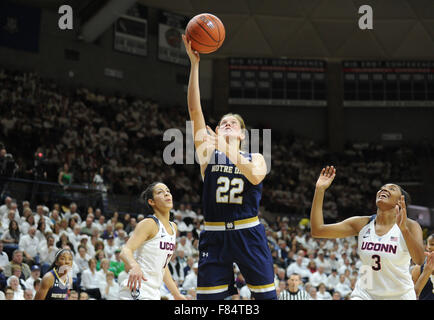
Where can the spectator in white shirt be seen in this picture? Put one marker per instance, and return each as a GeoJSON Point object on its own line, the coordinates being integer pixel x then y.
{"type": "Point", "coordinates": [318, 277]}
{"type": "Point", "coordinates": [14, 283]}
{"type": "Point", "coordinates": [100, 224]}
{"type": "Point", "coordinates": [4, 258]}
{"type": "Point", "coordinates": [40, 216]}
{"type": "Point", "coordinates": [343, 288]}
{"type": "Point", "coordinates": [27, 220]}
{"type": "Point", "coordinates": [332, 280]}
{"type": "Point", "coordinates": [90, 281]}
{"type": "Point", "coordinates": [185, 246]}
{"type": "Point", "coordinates": [110, 247]}
{"type": "Point", "coordinates": [29, 245]}
{"type": "Point", "coordinates": [321, 261]}
{"type": "Point", "coordinates": [4, 209]}
{"type": "Point", "coordinates": [345, 266]}
{"type": "Point", "coordinates": [82, 258]}
{"type": "Point", "coordinates": [191, 279]}
{"type": "Point", "coordinates": [34, 275]}
{"type": "Point", "coordinates": [75, 236]}
{"type": "Point", "coordinates": [322, 294]}
{"type": "Point", "coordinates": [47, 254]}
{"type": "Point", "coordinates": [110, 289]}
{"type": "Point", "coordinates": [297, 267]}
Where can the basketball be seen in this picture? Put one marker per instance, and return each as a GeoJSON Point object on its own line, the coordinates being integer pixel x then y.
{"type": "Point", "coordinates": [206, 33]}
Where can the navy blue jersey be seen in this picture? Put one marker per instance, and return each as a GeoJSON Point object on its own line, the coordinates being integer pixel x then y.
{"type": "Point", "coordinates": [227, 194]}
{"type": "Point", "coordinates": [427, 292]}
{"type": "Point", "coordinates": [59, 290]}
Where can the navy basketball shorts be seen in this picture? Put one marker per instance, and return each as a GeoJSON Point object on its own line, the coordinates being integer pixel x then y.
{"type": "Point", "coordinates": [248, 248]}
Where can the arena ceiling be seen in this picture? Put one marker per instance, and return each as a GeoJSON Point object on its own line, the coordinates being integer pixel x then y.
{"type": "Point", "coordinates": [403, 29]}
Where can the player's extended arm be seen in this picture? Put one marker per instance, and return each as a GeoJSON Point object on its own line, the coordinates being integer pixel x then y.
{"type": "Point", "coordinates": [46, 283]}
{"type": "Point", "coordinates": [412, 233]}
{"type": "Point", "coordinates": [195, 108]}
{"type": "Point", "coordinates": [144, 230]}
{"type": "Point", "coordinates": [343, 229]}
{"type": "Point", "coordinates": [171, 285]}
{"type": "Point", "coordinates": [420, 279]}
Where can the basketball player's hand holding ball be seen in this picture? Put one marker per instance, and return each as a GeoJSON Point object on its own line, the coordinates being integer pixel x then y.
{"type": "Point", "coordinates": [401, 214]}
{"type": "Point", "coordinates": [135, 278]}
{"type": "Point", "coordinates": [326, 178]}
{"type": "Point", "coordinates": [192, 54]}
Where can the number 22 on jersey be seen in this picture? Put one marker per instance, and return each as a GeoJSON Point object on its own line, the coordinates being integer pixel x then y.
{"type": "Point", "coordinates": [229, 190]}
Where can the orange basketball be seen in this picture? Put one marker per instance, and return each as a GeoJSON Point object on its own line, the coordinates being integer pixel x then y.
{"type": "Point", "coordinates": [206, 33]}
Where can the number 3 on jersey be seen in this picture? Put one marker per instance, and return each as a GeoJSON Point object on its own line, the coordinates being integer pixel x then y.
{"type": "Point", "coordinates": [236, 186]}
{"type": "Point", "coordinates": [377, 262]}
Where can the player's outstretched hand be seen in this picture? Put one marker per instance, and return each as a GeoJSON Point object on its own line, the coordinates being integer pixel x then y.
{"type": "Point", "coordinates": [135, 278]}
{"type": "Point", "coordinates": [180, 297]}
{"type": "Point", "coordinates": [326, 178]}
{"type": "Point", "coordinates": [192, 54]}
{"type": "Point", "coordinates": [401, 214]}
{"type": "Point", "coordinates": [429, 260]}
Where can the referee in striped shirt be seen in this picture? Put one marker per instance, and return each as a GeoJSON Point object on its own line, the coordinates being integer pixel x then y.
{"type": "Point", "coordinates": [294, 292]}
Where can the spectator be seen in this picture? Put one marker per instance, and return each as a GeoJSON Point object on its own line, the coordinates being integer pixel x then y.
{"type": "Point", "coordinates": [28, 221]}
{"type": "Point", "coordinates": [4, 259]}
{"type": "Point", "coordinates": [116, 264]}
{"type": "Point", "coordinates": [11, 237]}
{"type": "Point", "coordinates": [65, 177]}
{"type": "Point", "coordinates": [332, 280]}
{"type": "Point", "coordinates": [84, 295]}
{"type": "Point", "coordinates": [73, 295]}
{"type": "Point", "coordinates": [88, 226]}
{"type": "Point", "coordinates": [47, 254]}
{"type": "Point", "coordinates": [313, 293]}
{"type": "Point", "coordinates": [336, 296]}
{"type": "Point", "coordinates": [110, 247]}
{"type": "Point", "coordinates": [34, 275]}
{"type": "Point", "coordinates": [28, 294]}
{"type": "Point", "coordinates": [14, 283]}
{"type": "Point", "coordinates": [110, 289]}
{"type": "Point", "coordinates": [191, 279]}
{"type": "Point", "coordinates": [82, 258]}
{"type": "Point", "coordinates": [343, 288]}
{"type": "Point", "coordinates": [9, 293]}
{"type": "Point", "coordinates": [318, 277]}
{"type": "Point", "coordinates": [17, 259]}
{"type": "Point", "coordinates": [322, 293]}
{"type": "Point", "coordinates": [16, 271]}
{"type": "Point", "coordinates": [29, 246]}
{"type": "Point", "coordinates": [298, 268]}
{"type": "Point", "coordinates": [90, 280]}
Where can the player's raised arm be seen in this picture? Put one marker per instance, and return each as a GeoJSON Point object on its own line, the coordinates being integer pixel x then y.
{"type": "Point", "coordinates": [194, 106]}
{"type": "Point", "coordinates": [346, 228]}
{"type": "Point", "coordinates": [144, 230]}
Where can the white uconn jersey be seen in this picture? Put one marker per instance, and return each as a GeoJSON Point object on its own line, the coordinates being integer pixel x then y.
{"type": "Point", "coordinates": [386, 263]}
{"type": "Point", "coordinates": [152, 256]}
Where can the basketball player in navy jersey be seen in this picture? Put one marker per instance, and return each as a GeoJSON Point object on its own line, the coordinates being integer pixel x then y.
{"type": "Point", "coordinates": [56, 283]}
{"type": "Point", "coordinates": [423, 276]}
{"type": "Point", "coordinates": [387, 241]}
{"type": "Point", "coordinates": [231, 194]}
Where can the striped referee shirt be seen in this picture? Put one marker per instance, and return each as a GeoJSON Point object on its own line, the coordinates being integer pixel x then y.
{"type": "Point", "coordinates": [299, 295]}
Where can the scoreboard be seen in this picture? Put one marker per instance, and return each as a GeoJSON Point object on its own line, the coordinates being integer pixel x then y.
{"type": "Point", "coordinates": [388, 83]}
{"type": "Point", "coordinates": [280, 82]}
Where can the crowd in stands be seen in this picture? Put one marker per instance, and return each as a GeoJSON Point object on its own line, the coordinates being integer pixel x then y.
{"type": "Point", "coordinates": [118, 141]}
{"type": "Point", "coordinates": [30, 238]}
